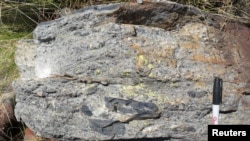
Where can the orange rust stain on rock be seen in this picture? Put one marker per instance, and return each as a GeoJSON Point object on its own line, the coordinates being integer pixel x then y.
{"type": "Point", "coordinates": [172, 62]}
{"type": "Point", "coordinates": [165, 52]}
{"type": "Point", "coordinates": [199, 84]}
{"type": "Point", "coordinates": [190, 45]}
{"type": "Point", "coordinates": [192, 42]}
{"type": "Point", "coordinates": [202, 58]}
{"type": "Point", "coordinates": [138, 49]}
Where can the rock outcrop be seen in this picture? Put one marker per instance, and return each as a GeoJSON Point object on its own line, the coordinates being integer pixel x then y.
{"type": "Point", "coordinates": [128, 71]}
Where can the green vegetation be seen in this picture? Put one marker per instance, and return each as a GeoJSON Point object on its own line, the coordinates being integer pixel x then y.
{"type": "Point", "coordinates": [13, 27]}
{"type": "Point", "coordinates": [8, 69]}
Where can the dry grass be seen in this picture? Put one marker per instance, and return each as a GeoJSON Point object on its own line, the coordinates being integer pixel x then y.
{"type": "Point", "coordinates": [237, 10]}
{"type": "Point", "coordinates": [8, 70]}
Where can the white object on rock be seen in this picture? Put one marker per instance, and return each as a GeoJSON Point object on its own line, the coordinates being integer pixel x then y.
{"type": "Point", "coordinates": [139, 1]}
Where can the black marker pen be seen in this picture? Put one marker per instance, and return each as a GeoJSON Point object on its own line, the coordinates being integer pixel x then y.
{"type": "Point", "coordinates": [217, 99]}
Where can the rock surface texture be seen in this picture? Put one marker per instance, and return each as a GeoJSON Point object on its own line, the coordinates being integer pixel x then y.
{"type": "Point", "coordinates": [128, 71]}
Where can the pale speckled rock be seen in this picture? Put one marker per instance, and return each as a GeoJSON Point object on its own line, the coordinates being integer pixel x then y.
{"type": "Point", "coordinates": [25, 58]}
{"type": "Point", "coordinates": [113, 72]}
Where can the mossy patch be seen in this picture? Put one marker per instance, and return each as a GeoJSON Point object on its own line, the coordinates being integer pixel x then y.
{"type": "Point", "coordinates": [133, 91]}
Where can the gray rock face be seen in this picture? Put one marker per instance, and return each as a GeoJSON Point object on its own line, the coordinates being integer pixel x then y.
{"type": "Point", "coordinates": [125, 71]}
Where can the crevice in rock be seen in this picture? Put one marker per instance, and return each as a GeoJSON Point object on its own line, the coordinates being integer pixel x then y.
{"type": "Point", "coordinates": [228, 112]}
{"type": "Point", "coordinates": [246, 93]}
{"type": "Point", "coordinates": [12, 131]}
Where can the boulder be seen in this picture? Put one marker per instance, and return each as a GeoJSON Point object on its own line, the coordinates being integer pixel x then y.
{"type": "Point", "coordinates": [128, 71]}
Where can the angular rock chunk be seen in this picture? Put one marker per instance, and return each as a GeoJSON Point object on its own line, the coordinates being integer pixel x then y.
{"type": "Point", "coordinates": [130, 109]}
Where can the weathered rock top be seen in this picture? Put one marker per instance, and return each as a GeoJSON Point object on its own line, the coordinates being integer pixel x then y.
{"type": "Point", "coordinates": [128, 71]}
